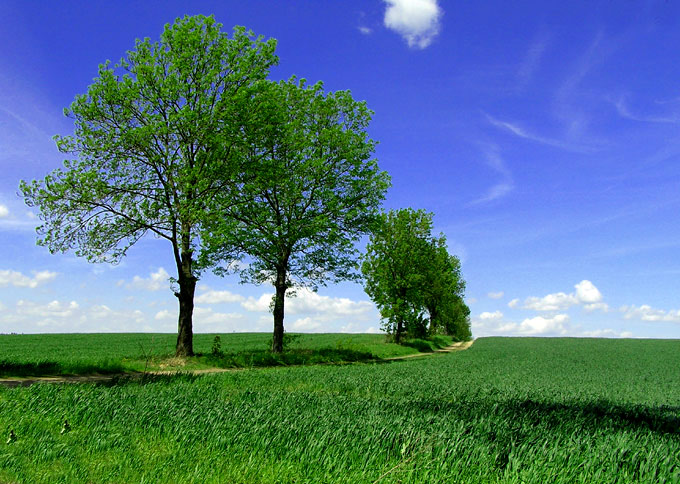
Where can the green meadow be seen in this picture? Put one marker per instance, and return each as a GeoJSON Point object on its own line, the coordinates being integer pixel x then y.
{"type": "Point", "coordinates": [66, 354]}
{"type": "Point", "coordinates": [507, 410]}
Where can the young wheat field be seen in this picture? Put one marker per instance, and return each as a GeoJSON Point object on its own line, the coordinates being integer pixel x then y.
{"type": "Point", "coordinates": [507, 410]}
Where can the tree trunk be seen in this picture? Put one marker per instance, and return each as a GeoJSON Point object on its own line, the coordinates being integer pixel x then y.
{"type": "Point", "coordinates": [279, 300]}
{"type": "Point", "coordinates": [399, 331]}
{"type": "Point", "coordinates": [187, 286]}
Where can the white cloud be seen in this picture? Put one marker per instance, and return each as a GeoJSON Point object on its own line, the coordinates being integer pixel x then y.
{"type": "Point", "coordinates": [539, 325]}
{"type": "Point", "coordinates": [487, 316]}
{"type": "Point", "coordinates": [208, 317]}
{"type": "Point", "coordinates": [514, 303]}
{"type": "Point", "coordinates": [586, 294]}
{"type": "Point", "coordinates": [309, 302]}
{"type": "Point", "coordinates": [604, 307]}
{"type": "Point", "coordinates": [365, 30]}
{"type": "Point", "coordinates": [496, 295]}
{"type": "Point", "coordinates": [216, 297]}
{"type": "Point", "coordinates": [607, 333]}
{"type": "Point", "coordinates": [17, 279]}
{"type": "Point", "coordinates": [164, 315]}
{"type": "Point", "coordinates": [155, 282]}
{"type": "Point", "coordinates": [552, 302]}
{"type": "Point", "coordinates": [259, 305]}
{"type": "Point", "coordinates": [417, 21]}
{"type": "Point", "coordinates": [4, 211]}
{"type": "Point", "coordinates": [647, 313]}
{"type": "Point", "coordinates": [306, 324]}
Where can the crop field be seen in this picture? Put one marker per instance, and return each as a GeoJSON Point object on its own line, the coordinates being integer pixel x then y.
{"type": "Point", "coordinates": [507, 410]}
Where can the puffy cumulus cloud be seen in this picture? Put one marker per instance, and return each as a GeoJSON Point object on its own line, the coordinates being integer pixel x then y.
{"type": "Point", "coordinates": [307, 324]}
{"type": "Point", "coordinates": [306, 301]}
{"type": "Point", "coordinates": [607, 333]}
{"type": "Point", "coordinates": [53, 309]}
{"type": "Point", "coordinates": [207, 318]}
{"type": "Point", "coordinates": [514, 303]}
{"type": "Point", "coordinates": [552, 302]}
{"type": "Point", "coordinates": [315, 312]}
{"type": "Point", "coordinates": [258, 305]}
{"type": "Point", "coordinates": [417, 21]}
{"type": "Point", "coordinates": [586, 294]}
{"type": "Point", "coordinates": [216, 297]}
{"type": "Point", "coordinates": [4, 211]}
{"type": "Point", "coordinates": [647, 313]}
{"type": "Point", "coordinates": [494, 324]}
{"type": "Point", "coordinates": [69, 316]}
{"type": "Point", "coordinates": [155, 282]}
{"type": "Point", "coordinates": [487, 316]}
{"type": "Point", "coordinates": [540, 326]}
{"type": "Point", "coordinates": [18, 279]}
{"type": "Point", "coordinates": [496, 295]}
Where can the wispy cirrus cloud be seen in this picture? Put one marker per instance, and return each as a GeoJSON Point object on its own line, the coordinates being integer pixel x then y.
{"type": "Point", "coordinates": [504, 185]}
{"type": "Point", "coordinates": [518, 130]}
{"type": "Point", "coordinates": [623, 109]}
{"type": "Point", "coordinates": [417, 21]}
{"type": "Point", "coordinates": [532, 60]}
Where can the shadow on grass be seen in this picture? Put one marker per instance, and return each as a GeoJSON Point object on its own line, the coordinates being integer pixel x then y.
{"type": "Point", "coordinates": [53, 368]}
{"type": "Point", "coordinates": [296, 357]}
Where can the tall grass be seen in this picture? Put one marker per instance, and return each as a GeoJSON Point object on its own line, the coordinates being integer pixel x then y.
{"type": "Point", "coordinates": [506, 411]}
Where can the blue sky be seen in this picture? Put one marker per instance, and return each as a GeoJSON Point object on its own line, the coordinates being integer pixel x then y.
{"type": "Point", "coordinates": [544, 136]}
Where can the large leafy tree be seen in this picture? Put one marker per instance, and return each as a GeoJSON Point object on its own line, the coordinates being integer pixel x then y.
{"type": "Point", "coordinates": [317, 190]}
{"type": "Point", "coordinates": [156, 137]}
{"type": "Point", "coordinates": [409, 273]}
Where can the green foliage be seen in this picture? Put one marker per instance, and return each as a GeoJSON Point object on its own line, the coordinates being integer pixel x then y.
{"type": "Point", "coordinates": [156, 137]}
{"type": "Point", "coordinates": [408, 272]}
{"type": "Point", "coordinates": [518, 410]}
{"type": "Point", "coordinates": [314, 192]}
{"type": "Point", "coordinates": [216, 349]}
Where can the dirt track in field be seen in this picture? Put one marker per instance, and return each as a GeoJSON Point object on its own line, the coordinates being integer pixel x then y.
{"type": "Point", "coordinates": [28, 381]}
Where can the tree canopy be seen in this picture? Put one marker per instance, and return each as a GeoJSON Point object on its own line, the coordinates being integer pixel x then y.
{"type": "Point", "coordinates": [156, 138]}
{"type": "Point", "coordinates": [315, 191]}
{"type": "Point", "coordinates": [408, 272]}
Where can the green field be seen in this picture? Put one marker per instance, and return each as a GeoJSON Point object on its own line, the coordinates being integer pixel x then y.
{"type": "Point", "coordinates": [59, 354]}
{"type": "Point", "coordinates": [510, 410]}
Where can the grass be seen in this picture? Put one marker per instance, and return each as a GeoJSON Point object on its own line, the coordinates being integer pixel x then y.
{"type": "Point", "coordinates": [507, 410]}
{"type": "Point", "coordinates": [79, 354]}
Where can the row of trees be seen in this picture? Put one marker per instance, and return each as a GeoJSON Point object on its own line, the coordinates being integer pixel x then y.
{"type": "Point", "coordinates": [187, 139]}
{"type": "Point", "coordinates": [409, 273]}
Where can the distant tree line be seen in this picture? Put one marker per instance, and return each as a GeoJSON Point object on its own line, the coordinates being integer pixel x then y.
{"type": "Point", "coordinates": [415, 282]}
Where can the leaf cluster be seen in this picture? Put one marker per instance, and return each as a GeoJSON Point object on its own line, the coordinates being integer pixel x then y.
{"type": "Point", "coordinates": [156, 137]}
{"type": "Point", "coordinates": [314, 188]}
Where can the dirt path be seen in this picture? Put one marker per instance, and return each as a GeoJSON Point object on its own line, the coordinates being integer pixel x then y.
{"type": "Point", "coordinates": [28, 381]}
{"type": "Point", "coordinates": [460, 346]}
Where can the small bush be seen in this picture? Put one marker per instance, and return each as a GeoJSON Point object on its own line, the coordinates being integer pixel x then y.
{"type": "Point", "coordinates": [216, 346]}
